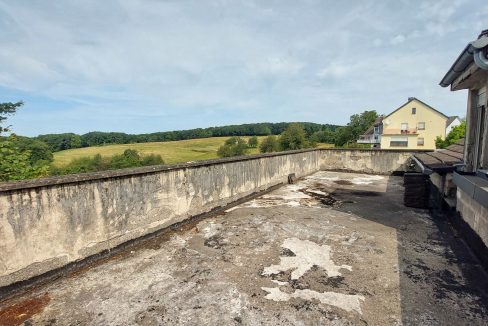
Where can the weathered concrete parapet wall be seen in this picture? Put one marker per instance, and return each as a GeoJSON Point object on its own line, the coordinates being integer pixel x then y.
{"type": "Point", "coordinates": [48, 223]}
{"type": "Point", "coordinates": [366, 161]}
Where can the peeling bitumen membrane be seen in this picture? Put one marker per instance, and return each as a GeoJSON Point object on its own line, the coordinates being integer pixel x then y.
{"type": "Point", "coordinates": [332, 249]}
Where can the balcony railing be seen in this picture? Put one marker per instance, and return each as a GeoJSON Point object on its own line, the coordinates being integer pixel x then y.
{"type": "Point", "coordinates": [412, 131]}
{"type": "Point", "coordinates": [368, 140]}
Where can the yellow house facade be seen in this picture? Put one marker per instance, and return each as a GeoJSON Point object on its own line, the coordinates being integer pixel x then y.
{"type": "Point", "coordinates": [414, 125]}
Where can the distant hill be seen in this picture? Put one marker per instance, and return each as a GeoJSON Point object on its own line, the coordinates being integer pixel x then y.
{"type": "Point", "coordinates": [59, 142]}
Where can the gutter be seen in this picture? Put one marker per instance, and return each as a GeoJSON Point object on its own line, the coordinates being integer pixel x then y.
{"type": "Point", "coordinates": [425, 170]}
{"type": "Point", "coordinates": [474, 51]}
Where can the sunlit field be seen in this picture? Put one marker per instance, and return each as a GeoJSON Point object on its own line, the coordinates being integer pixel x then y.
{"type": "Point", "coordinates": [171, 152]}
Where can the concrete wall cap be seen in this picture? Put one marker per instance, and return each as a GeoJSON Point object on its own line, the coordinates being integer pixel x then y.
{"type": "Point", "coordinates": [121, 173]}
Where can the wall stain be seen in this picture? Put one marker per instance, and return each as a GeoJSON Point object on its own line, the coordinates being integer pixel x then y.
{"type": "Point", "coordinates": [153, 243]}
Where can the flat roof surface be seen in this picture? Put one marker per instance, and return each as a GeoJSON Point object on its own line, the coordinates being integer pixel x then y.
{"type": "Point", "coordinates": [333, 249]}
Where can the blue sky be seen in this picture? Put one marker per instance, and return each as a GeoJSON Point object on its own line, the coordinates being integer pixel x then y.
{"type": "Point", "coordinates": [147, 65]}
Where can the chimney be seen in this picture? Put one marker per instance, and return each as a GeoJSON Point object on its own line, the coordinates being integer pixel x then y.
{"type": "Point", "coordinates": [411, 99]}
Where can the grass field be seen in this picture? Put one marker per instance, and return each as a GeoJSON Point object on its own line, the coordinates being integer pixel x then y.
{"type": "Point", "coordinates": [171, 152]}
{"type": "Point", "coordinates": [324, 145]}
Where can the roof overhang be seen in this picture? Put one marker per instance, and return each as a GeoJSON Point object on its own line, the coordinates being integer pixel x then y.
{"type": "Point", "coordinates": [472, 77]}
{"type": "Point", "coordinates": [473, 57]}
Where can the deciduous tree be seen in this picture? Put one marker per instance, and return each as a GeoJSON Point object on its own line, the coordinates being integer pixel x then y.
{"type": "Point", "coordinates": [454, 135]}
{"type": "Point", "coordinates": [7, 109]}
{"type": "Point", "coordinates": [294, 137]}
{"type": "Point", "coordinates": [269, 144]}
{"type": "Point", "coordinates": [357, 125]}
{"type": "Point", "coordinates": [16, 163]}
{"type": "Point", "coordinates": [234, 146]}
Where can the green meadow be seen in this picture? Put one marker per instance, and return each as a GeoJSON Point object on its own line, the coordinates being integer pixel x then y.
{"type": "Point", "coordinates": [171, 152]}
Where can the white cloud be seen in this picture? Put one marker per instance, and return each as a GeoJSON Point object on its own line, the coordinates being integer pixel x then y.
{"type": "Point", "coordinates": [377, 42]}
{"type": "Point", "coordinates": [335, 70]}
{"type": "Point", "coordinates": [398, 39]}
{"type": "Point", "coordinates": [439, 10]}
{"type": "Point", "coordinates": [275, 66]}
{"type": "Point", "coordinates": [215, 62]}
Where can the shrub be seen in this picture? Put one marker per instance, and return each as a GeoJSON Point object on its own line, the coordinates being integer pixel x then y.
{"type": "Point", "coordinates": [82, 165]}
{"type": "Point", "coordinates": [269, 144]}
{"type": "Point", "coordinates": [152, 159]}
{"type": "Point", "coordinates": [253, 142]}
{"type": "Point", "coordinates": [234, 146]}
{"type": "Point", "coordinates": [130, 158]}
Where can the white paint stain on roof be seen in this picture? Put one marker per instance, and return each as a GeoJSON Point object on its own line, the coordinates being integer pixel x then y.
{"type": "Point", "coordinates": [291, 196]}
{"type": "Point", "coordinates": [287, 195]}
{"type": "Point", "coordinates": [348, 302]}
{"type": "Point", "coordinates": [318, 192]}
{"type": "Point", "coordinates": [293, 203]}
{"type": "Point", "coordinates": [366, 180]}
{"type": "Point", "coordinates": [307, 254]}
{"type": "Point", "coordinates": [320, 176]}
{"type": "Point", "coordinates": [211, 229]}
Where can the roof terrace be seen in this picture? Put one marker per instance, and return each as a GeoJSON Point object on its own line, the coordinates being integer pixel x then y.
{"type": "Point", "coordinates": [334, 248]}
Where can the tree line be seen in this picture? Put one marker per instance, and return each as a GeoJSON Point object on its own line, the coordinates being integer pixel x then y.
{"type": "Point", "coordinates": [59, 142]}
{"type": "Point", "coordinates": [24, 157]}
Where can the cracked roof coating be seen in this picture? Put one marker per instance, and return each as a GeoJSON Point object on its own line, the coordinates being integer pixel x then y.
{"type": "Point", "coordinates": [332, 249]}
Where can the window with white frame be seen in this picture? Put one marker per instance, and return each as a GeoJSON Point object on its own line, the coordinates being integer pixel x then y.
{"type": "Point", "coordinates": [404, 127]}
{"type": "Point", "coordinates": [399, 142]}
{"type": "Point", "coordinates": [421, 126]}
{"type": "Point", "coordinates": [420, 141]}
